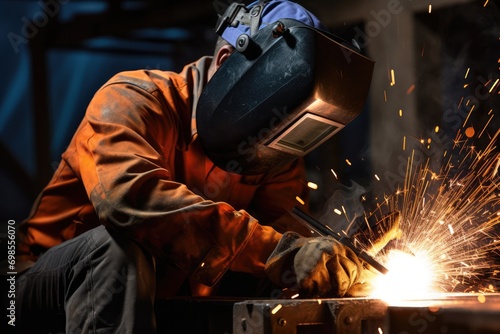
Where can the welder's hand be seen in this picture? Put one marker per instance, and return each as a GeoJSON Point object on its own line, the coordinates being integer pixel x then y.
{"type": "Point", "coordinates": [363, 287]}
{"type": "Point", "coordinates": [315, 266]}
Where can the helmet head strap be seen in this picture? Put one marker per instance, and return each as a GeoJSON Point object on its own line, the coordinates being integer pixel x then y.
{"type": "Point", "coordinates": [234, 13]}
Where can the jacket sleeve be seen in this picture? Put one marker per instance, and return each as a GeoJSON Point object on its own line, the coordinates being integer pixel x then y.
{"type": "Point", "coordinates": [123, 154]}
{"type": "Point", "coordinates": [276, 197]}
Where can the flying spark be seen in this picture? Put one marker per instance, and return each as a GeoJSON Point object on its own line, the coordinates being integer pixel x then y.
{"type": "Point", "coordinates": [276, 308]}
{"type": "Point", "coordinates": [300, 200]}
{"type": "Point", "coordinates": [410, 89]}
{"type": "Point", "coordinates": [493, 86]}
{"type": "Point", "coordinates": [312, 185]}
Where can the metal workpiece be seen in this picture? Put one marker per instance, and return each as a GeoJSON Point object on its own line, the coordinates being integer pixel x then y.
{"type": "Point", "coordinates": [453, 313]}
{"type": "Point", "coordinates": [340, 315]}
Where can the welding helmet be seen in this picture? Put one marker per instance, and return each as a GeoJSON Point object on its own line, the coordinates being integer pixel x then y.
{"type": "Point", "coordinates": [288, 87]}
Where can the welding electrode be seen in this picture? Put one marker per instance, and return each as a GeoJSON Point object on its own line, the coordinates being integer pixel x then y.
{"type": "Point", "coordinates": [325, 230]}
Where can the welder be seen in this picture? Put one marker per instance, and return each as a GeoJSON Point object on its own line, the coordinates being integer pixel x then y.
{"type": "Point", "coordinates": [173, 181]}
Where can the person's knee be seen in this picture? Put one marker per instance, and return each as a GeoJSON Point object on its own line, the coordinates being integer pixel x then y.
{"type": "Point", "coordinates": [117, 281]}
{"type": "Point", "coordinates": [123, 251]}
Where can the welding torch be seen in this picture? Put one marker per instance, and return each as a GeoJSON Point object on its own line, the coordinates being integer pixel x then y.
{"type": "Point", "coordinates": [325, 230]}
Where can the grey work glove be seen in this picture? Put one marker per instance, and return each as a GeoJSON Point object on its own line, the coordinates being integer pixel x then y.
{"type": "Point", "coordinates": [323, 266]}
{"type": "Point", "coordinates": [314, 266]}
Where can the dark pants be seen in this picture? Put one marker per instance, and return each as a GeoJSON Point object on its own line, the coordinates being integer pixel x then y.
{"type": "Point", "coordinates": [98, 282]}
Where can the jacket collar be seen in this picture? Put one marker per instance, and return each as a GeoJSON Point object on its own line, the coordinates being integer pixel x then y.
{"type": "Point", "coordinates": [199, 73]}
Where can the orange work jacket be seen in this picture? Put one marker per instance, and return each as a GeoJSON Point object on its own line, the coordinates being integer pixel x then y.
{"type": "Point", "coordinates": [135, 165]}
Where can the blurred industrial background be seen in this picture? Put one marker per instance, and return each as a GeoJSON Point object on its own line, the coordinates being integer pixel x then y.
{"type": "Point", "coordinates": [436, 62]}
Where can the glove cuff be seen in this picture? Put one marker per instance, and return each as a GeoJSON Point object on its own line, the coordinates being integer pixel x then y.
{"type": "Point", "coordinates": [253, 256]}
{"type": "Point", "coordinates": [279, 266]}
